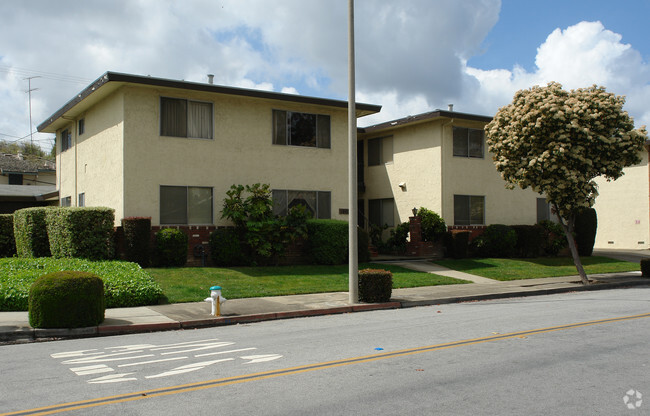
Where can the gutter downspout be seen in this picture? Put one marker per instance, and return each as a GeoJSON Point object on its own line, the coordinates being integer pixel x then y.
{"type": "Point", "coordinates": [442, 167]}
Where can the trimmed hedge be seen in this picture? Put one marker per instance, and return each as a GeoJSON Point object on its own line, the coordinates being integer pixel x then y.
{"type": "Point", "coordinates": [457, 242]}
{"type": "Point", "coordinates": [30, 232]}
{"type": "Point", "coordinates": [433, 226]}
{"type": "Point", "coordinates": [585, 231]}
{"type": "Point", "coordinates": [530, 240]}
{"type": "Point", "coordinates": [498, 240]}
{"type": "Point", "coordinates": [226, 248]}
{"type": "Point", "coordinates": [375, 286]}
{"type": "Point", "coordinates": [328, 241]}
{"type": "Point", "coordinates": [137, 239]}
{"type": "Point", "coordinates": [171, 247]}
{"type": "Point", "coordinates": [85, 232]}
{"type": "Point", "coordinates": [7, 240]}
{"type": "Point", "coordinates": [645, 267]}
{"type": "Point", "coordinates": [66, 299]}
{"type": "Point", "coordinates": [125, 284]}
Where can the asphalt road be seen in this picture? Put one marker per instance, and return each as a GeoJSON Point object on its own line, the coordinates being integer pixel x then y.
{"type": "Point", "coordinates": [571, 354]}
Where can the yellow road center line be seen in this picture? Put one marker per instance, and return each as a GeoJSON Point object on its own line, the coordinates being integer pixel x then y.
{"type": "Point", "coordinates": [185, 388]}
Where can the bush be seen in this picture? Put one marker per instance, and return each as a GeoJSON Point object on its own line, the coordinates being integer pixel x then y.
{"type": "Point", "coordinates": [375, 286]}
{"type": "Point", "coordinates": [85, 233]}
{"type": "Point", "coordinates": [30, 232]}
{"type": "Point", "coordinates": [328, 241]}
{"type": "Point", "coordinates": [433, 226]}
{"type": "Point", "coordinates": [530, 239]}
{"type": "Point", "coordinates": [498, 240]}
{"type": "Point", "coordinates": [457, 243]}
{"type": "Point", "coordinates": [66, 299]}
{"type": "Point", "coordinates": [137, 239]}
{"type": "Point", "coordinates": [585, 231]}
{"type": "Point", "coordinates": [398, 236]}
{"type": "Point", "coordinates": [226, 248]}
{"type": "Point", "coordinates": [171, 247]}
{"type": "Point", "coordinates": [125, 284]}
{"type": "Point", "coordinates": [645, 267]}
{"type": "Point", "coordinates": [7, 240]}
{"type": "Point", "coordinates": [554, 239]}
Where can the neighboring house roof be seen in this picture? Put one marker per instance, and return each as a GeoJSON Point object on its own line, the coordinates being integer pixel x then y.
{"type": "Point", "coordinates": [421, 118]}
{"type": "Point", "coordinates": [110, 81]}
{"type": "Point", "coordinates": [18, 164]}
{"type": "Point", "coordinates": [27, 192]}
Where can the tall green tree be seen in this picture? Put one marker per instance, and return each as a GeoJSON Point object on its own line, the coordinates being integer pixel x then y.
{"type": "Point", "coordinates": [557, 142]}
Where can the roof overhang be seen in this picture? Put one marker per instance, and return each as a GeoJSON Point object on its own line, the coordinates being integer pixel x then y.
{"type": "Point", "coordinates": [111, 81]}
{"type": "Point", "coordinates": [27, 193]}
{"type": "Point", "coordinates": [423, 118]}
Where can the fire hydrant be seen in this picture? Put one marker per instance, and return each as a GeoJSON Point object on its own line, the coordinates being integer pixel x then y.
{"type": "Point", "coordinates": [216, 300]}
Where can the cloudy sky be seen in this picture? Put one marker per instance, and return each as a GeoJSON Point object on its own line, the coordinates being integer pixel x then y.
{"type": "Point", "coordinates": [413, 56]}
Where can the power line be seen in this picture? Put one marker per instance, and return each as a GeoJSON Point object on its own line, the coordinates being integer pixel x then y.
{"type": "Point", "coordinates": [27, 73]}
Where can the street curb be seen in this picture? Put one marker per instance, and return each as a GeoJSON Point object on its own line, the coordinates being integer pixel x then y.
{"type": "Point", "coordinates": [31, 334]}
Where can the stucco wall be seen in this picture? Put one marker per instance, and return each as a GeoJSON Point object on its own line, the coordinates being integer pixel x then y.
{"type": "Point", "coordinates": [479, 177]}
{"type": "Point", "coordinates": [94, 165]}
{"type": "Point", "coordinates": [623, 208]}
{"type": "Point", "coordinates": [241, 152]}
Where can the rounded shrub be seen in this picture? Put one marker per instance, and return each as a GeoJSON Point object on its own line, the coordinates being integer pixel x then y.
{"type": "Point", "coordinates": [30, 232]}
{"type": "Point", "coordinates": [457, 242]}
{"type": "Point", "coordinates": [328, 241]}
{"type": "Point", "coordinates": [530, 240]}
{"type": "Point", "coordinates": [645, 267]}
{"type": "Point", "coordinates": [585, 231]}
{"type": "Point", "coordinates": [7, 240]}
{"type": "Point", "coordinates": [226, 248]}
{"type": "Point", "coordinates": [66, 299]}
{"type": "Point", "coordinates": [375, 286]}
{"type": "Point", "coordinates": [171, 247]}
{"type": "Point", "coordinates": [433, 226]}
{"type": "Point", "coordinates": [398, 238]}
{"type": "Point", "coordinates": [498, 240]}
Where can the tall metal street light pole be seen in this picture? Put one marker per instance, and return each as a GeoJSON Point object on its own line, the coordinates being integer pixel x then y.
{"type": "Point", "coordinates": [353, 269]}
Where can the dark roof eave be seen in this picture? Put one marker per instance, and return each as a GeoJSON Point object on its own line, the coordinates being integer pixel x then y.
{"type": "Point", "coordinates": [362, 109]}
{"type": "Point", "coordinates": [425, 117]}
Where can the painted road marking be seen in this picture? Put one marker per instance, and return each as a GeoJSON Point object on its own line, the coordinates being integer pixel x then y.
{"type": "Point", "coordinates": [186, 388]}
{"type": "Point", "coordinates": [143, 356]}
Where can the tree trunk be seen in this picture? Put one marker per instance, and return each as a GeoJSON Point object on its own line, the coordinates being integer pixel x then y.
{"type": "Point", "coordinates": [568, 231]}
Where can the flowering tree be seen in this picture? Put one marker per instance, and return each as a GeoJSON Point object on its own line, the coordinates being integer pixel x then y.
{"type": "Point", "coordinates": [556, 142]}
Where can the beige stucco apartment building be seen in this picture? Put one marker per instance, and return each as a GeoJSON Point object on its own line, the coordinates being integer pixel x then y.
{"type": "Point", "coordinates": [170, 150]}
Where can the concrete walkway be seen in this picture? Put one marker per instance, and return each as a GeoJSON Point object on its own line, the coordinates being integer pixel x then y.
{"type": "Point", "coordinates": [14, 326]}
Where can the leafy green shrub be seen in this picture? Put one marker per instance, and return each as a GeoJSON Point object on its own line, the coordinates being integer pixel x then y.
{"type": "Point", "coordinates": [171, 247]}
{"type": "Point", "coordinates": [375, 286]}
{"type": "Point", "coordinates": [328, 241]}
{"type": "Point", "coordinates": [498, 240]}
{"type": "Point", "coordinates": [364, 243]}
{"type": "Point", "coordinates": [586, 224]}
{"type": "Point", "coordinates": [226, 248]}
{"type": "Point", "coordinates": [554, 239]}
{"type": "Point", "coordinates": [530, 240]}
{"type": "Point", "coordinates": [376, 237]}
{"type": "Point", "coordinates": [81, 232]}
{"type": "Point", "coordinates": [457, 243]}
{"type": "Point", "coordinates": [125, 284]}
{"type": "Point", "coordinates": [433, 226]}
{"type": "Point", "coordinates": [30, 232]}
{"type": "Point", "coordinates": [66, 299]}
{"type": "Point", "coordinates": [7, 240]}
{"type": "Point", "coordinates": [137, 239]}
{"type": "Point", "coordinates": [398, 238]}
{"type": "Point", "coordinates": [645, 267]}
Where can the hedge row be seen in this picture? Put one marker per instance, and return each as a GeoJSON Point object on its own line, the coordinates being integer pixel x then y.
{"type": "Point", "coordinates": [7, 240]}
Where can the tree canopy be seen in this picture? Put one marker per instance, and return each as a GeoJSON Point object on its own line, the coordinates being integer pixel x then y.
{"type": "Point", "coordinates": [557, 142]}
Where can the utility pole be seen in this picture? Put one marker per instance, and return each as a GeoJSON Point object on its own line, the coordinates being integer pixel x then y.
{"type": "Point", "coordinates": [353, 269]}
{"type": "Point", "coordinates": [29, 92]}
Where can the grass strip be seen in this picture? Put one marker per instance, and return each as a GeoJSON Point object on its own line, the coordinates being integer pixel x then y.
{"type": "Point", "coordinates": [517, 269]}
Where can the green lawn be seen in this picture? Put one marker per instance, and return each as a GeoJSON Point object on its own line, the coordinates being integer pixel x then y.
{"type": "Point", "coordinates": [192, 284]}
{"type": "Point", "coordinates": [515, 269]}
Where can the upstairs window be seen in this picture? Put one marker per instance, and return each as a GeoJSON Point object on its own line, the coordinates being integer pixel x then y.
{"type": "Point", "coordinates": [66, 140]}
{"type": "Point", "coordinates": [380, 151]}
{"type": "Point", "coordinates": [319, 203]}
{"type": "Point", "coordinates": [185, 118]}
{"type": "Point", "coordinates": [82, 126]}
{"type": "Point", "coordinates": [301, 129]}
{"type": "Point", "coordinates": [468, 142]}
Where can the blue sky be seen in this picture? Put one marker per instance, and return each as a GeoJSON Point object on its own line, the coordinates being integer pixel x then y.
{"type": "Point", "coordinates": [413, 56]}
{"type": "Point", "coordinates": [524, 24]}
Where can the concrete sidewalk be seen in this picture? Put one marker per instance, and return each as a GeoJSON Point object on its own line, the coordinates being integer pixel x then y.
{"type": "Point", "coordinates": [14, 326]}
